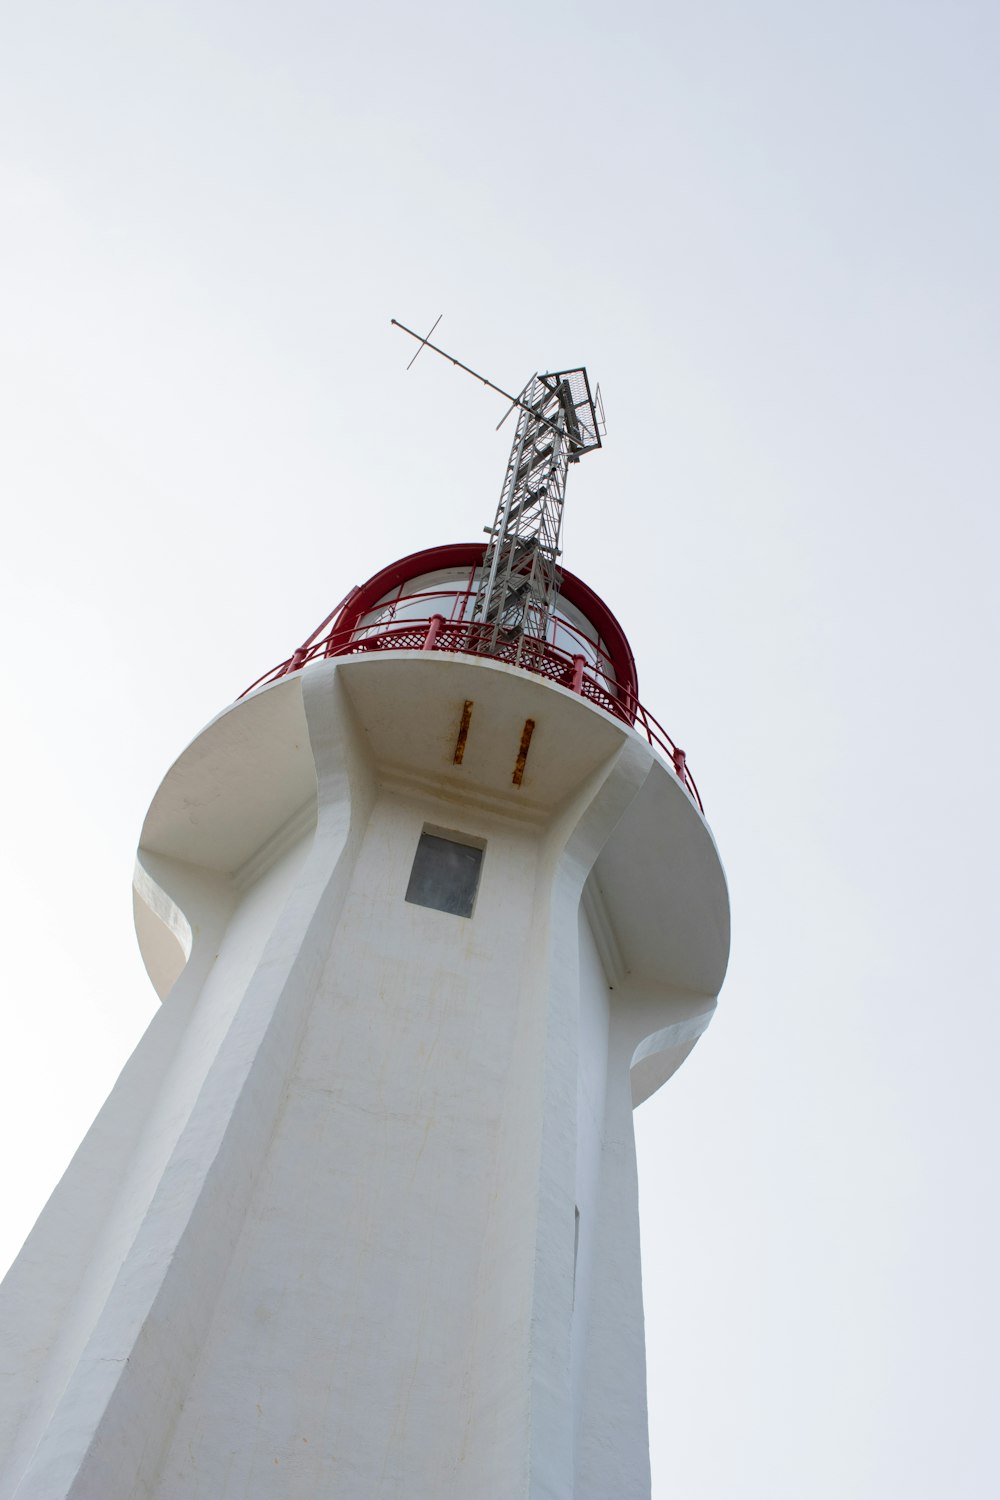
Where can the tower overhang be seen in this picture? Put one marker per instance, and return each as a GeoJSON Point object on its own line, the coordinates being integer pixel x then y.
{"type": "Point", "coordinates": [426, 602]}
{"type": "Point", "coordinates": [233, 799]}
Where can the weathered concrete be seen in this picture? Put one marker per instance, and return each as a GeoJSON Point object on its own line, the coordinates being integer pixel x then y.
{"type": "Point", "coordinates": [359, 1217]}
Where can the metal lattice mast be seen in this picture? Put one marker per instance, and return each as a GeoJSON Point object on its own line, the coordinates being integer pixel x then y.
{"type": "Point", "coordinates": [558, 421]}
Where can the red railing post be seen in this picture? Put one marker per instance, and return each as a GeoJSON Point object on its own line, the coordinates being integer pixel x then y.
{"type": "Point", "coordinates": [433, 631]}
{"type": "Point", "coordinates": [579, 662]}
{"type": "Point", "coordinates": [293, 663]}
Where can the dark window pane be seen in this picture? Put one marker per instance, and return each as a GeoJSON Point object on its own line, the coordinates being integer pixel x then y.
{"type": "Point", "coordinates": [445, 875]}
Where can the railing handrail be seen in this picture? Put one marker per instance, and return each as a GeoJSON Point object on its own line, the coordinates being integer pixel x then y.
{"type": "Point", "coordinates": [467, 637]}
{"type": "Point", "coordinates": [386, 617]}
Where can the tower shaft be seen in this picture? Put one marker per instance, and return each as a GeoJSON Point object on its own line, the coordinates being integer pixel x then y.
{"type": "Point", "coordinates": [360, 1216]}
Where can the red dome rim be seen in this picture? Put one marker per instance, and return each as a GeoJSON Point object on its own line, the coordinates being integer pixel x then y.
{"type": "Point", "coordinates": [470, 554]}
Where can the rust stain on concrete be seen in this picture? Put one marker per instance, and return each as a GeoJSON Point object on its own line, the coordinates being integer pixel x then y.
{"type": "Point", "coordinates": [522, 754]}
{"type": "Point", "coordinates": [463, 732]}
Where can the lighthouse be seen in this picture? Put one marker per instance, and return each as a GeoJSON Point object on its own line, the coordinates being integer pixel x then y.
{"type": "Point", "coordinates": [430, 909]}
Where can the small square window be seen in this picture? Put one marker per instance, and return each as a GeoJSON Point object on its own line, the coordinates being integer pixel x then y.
{"type": "Point", "coordinates": [445, 875]}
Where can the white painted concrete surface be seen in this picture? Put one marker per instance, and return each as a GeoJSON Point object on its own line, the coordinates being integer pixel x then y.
{"type": "Point", "coordinates": [359, 1218]}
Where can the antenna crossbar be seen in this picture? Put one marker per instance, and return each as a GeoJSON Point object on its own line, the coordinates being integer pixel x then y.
{"type": "Point", "coordinates": [425, 343]}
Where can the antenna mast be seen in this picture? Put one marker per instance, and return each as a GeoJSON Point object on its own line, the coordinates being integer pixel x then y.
{"type": "Point", "coordinates": [559, 420]}
{"type": "Point", "coordinates": [558, 423]}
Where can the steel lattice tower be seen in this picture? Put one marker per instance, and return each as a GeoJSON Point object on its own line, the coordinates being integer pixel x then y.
{"type": "Point", "coordinates": [559, 420]}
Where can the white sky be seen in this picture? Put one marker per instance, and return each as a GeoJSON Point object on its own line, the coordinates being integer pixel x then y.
{"type": "Point", "coordinates": [771, 232]}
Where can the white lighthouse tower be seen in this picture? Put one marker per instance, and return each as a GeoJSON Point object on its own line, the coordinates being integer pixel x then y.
{"type": "Point", "coordinates": [430, 910]}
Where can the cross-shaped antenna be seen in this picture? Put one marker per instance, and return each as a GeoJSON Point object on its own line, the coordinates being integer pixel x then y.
{"type": "Point", "coordinates": [515, 401]}
{"type": "Point", "coordinates": [423, 341]}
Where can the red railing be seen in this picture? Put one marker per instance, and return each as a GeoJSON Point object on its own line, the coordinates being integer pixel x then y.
{"type": "Point", "coordinates": [475, 639]}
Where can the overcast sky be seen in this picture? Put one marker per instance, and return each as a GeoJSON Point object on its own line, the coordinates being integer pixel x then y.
{"type": "Point", "coordinates": [771, 232]}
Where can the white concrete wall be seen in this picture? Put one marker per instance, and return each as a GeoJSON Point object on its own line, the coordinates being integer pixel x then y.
{"type": "Point", "coordinates": [189, 1118]}
{"type": "Point", "coordinates": [612, 1453]}
{"type": "Point", "coordinates": [52, 1298]}
{"type": "Point", "coordinates": [355, 1337]}
{"type": "Point", "coordinates": [321, 1240]}
{"type": "Point", "coordinates": [596, 997]}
